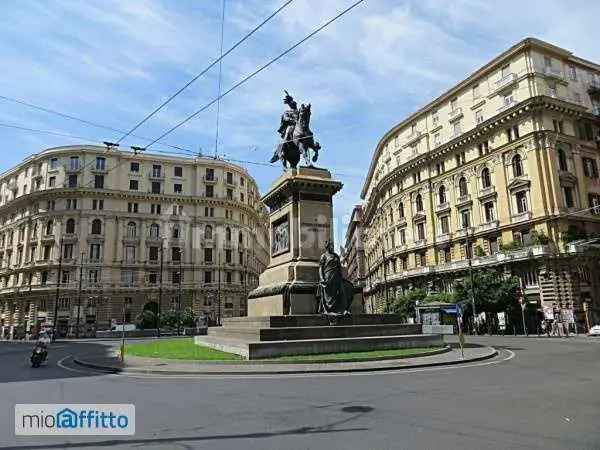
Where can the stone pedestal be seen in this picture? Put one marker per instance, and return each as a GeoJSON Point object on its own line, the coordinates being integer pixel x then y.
{"type": "Point", "coordinates": [301, 220]}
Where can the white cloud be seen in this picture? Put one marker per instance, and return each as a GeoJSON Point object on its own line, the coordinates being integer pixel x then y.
{"type": "Point", "coordinates": [112, 61]}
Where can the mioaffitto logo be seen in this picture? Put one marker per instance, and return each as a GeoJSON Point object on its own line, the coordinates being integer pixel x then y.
{"type": "Point", "coordinates": [74, 419]}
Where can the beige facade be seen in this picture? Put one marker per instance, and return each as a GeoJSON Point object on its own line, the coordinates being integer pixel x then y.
{"type": "Point", "coordinates": [504, 168]}
{"type": "Point", "coordinates": [107, 214]}
{"type": "Point", "coordinates": [353, 252]}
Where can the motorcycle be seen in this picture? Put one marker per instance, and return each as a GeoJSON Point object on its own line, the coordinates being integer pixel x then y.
{"type": "Point", "coordinates": [38, 356]}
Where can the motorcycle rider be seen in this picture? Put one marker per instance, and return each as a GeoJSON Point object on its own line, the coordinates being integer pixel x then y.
{"type": "Point", "coordinates": [42, 343]}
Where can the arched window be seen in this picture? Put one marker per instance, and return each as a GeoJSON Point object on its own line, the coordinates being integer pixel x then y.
{"type": "Point", "coordinates": [131, 230]}
{"type": "Point", "coordinates": [462, 187]}
{"type": "Point", "coordinates": [208, 232]}
{"type": "Point", "coordinates": [176, 232]}
{"type": "Point", "coordinates": [562, 160]}
{"type": "Point", "coordinates": [517, 165]}
{"type": "Point", "coordinates": [154, 231]}
{"type": "Point", "coordinates": [70, 229]}
{"type": "Point", "coordinates": [486, 180]}
{"type": "Point", "coordinates": [97, 226]}
{"type": "Point", "coordinates": [442, 194]}
{"type": "Point", "coordinates": [419, 202]}
{"type": "Point", "coordinates": [401, 210]}
{"type": "Point", "coordinates": [228, 234]}
{"type": "Point", "coordinates": [49, 227]}
{"type": "Point", "coordinates": [241, 238]}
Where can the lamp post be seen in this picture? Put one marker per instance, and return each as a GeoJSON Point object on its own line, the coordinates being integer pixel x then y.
{"type": "Point", "coordinates": [179, 294]}
{"type": "Point", "coordinates": [160, 287]}
{"type": "Point", "coordinates": [60, 252]}
{"type": "Point", "coordinates": [79, 295]}
{"type": "Point", "coordinates": [470, 257]}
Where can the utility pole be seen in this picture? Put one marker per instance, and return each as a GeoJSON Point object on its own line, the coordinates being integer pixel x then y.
{"type": "Point", "coordinates": [384, 262]}
{"type": "Point", "coordinates": [79, 295]}
{"type": "Point", "coordinates": [218, 287]}
{"type": "Point", "coordinates": [123, 332]}
{"type": "Point", "coordinates": [160, 287]}
{"type": "Point", "coordinates": [60, 251]}
{"type": "Point", "coordinates": [470, 257]}
{"type": "Point", "coordinates": [245, 271]}
{"type": "Point", "coordinates": [179, 294]}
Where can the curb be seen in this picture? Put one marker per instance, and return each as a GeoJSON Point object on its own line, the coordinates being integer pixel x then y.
{"type": "Point", "coordinates": [274, 361]}
{"type": "Point", "coordinates": [113, 369]}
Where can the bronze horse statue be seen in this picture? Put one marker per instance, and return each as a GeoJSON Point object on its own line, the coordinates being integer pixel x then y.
{"type": "Point", "coordinates": [297, 138]}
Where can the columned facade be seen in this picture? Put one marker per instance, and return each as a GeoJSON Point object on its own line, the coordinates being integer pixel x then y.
{"type": "Point", "coordinates": [499, 172]}
{"type": "Point", "coordinates": [92, 228]}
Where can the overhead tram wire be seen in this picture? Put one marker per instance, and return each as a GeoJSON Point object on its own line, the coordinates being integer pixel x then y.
{"type": "Point", "coordinates": [210, 66]}
{"type": "Point", "coordinates": [256, 72]}
{"type": "Point", "coordinates": [84, 121]}
{"type": "Point", "coordinates": [185, 152]}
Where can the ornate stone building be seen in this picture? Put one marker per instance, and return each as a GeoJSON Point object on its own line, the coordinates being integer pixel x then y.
{"type": "Point", "coordinates": [353, 251]}
{"type": "Point", "coordinates": [501, 171]}
{"type": "Point", "coordinates": [116, 232]}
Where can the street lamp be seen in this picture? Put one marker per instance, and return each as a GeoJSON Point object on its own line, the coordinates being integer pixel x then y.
{"type": "Point", "coordinates": [179, 294]}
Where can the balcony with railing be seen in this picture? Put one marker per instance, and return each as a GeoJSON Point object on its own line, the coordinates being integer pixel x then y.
{"type": "Point", "coordinates": [156, 175]}
{"type": "Point", "coordinates": [486, 191]}
{"type": "Point", "coordinates": [489, 226]}
{"type": "Point", "coordinates": [521, 217]}
{"type": "Point", "coordinates": [455, 114]}
{"type": "Point", "coordinates": [413, 137]}
{"type": "Point", "coordinates": [464, 232]}
{"type": "Point", "coordinates": [594, 87]}
{"type": "Point", "coordinates": [210, 179]}
{"type": "Point", "coordinates": [443, 238]}
{"type": "Point", "coordinates": [553, 72]}
{"type": "Point", "coordinates": [507, 105]}
{"type": "Point", "coordinates": [463, 199]}
{"type": "Point", "coordinates": [442, 206]}
{"type": "Point", "coordinates": [505, 81]}
{"type": "Point", "coordinates": [420, 243]}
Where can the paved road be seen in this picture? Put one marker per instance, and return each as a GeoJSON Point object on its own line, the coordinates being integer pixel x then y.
{"type": "Point", "coordinates": [545, 397]}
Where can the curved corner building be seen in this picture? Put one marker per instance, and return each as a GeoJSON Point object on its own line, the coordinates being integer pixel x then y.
{"type": "Point", "coordinates": [100, 235]}
{"type": "Point", "coordinates": [501, 172]}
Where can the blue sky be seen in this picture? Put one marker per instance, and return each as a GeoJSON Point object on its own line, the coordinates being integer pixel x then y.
{"type": "Point", "coordinates": [112, 61]}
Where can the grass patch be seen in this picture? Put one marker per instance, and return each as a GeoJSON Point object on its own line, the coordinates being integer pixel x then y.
{"type": "Point", "coordinates": [359, 356]}
{"type": "Point", "coordinates": [183, 348]}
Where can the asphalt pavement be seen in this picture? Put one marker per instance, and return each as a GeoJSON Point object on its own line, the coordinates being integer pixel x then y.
{"type": "Point", "coordinates": [537, 394]}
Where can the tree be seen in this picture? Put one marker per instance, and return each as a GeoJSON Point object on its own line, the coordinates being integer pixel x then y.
{"type": "Point", "coordinates": [186, 318]}
{"type": "Point", "coordinates": [147, 319]}
{"type": "Point", "coordinates": [404, 305]}
{"type": "Point", "coordinates": [492, 291]}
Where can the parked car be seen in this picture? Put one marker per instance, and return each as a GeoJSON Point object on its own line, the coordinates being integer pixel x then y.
{"type": "Point", "coordinates": [594, 331]}
{"type": "Point", "coordinates": [125, 327]}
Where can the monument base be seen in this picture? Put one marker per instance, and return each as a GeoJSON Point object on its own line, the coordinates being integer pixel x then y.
{"type": "Point", "coordinates": [285, 335]}
{"type": "Point", "coordinates": [300, 203]}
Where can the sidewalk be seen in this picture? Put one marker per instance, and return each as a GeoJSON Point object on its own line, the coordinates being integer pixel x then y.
{"type": "Point", "coordinates": [156, 366]}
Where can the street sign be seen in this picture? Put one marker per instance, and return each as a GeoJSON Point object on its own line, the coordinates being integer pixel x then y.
{"type": "Point", "coordinates": [502, 321]}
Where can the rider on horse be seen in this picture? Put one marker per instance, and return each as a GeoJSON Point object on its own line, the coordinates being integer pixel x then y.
{"type": "Point", "coordinates": [286, 128]}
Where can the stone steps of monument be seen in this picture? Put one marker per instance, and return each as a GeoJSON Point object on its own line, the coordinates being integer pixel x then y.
{"type": "Point", "coordinates": [224, 344]}
{"type": "Point", "coordinates": [315, 332]}
{"type": "Point", "coordinates": [271, 349]}
{"type": "Point", "coordinates": [310, 320]}
{"type": "Point", "coordinates": [340, 345]}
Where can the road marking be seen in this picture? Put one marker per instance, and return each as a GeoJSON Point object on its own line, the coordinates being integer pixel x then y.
{"type": "Point", "coordinates": [90, 371]}
{"type": "Point", "coordinates": [202, 377]}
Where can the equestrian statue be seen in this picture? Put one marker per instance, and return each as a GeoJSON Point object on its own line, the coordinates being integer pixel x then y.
{"type": "Point", "coordinates": [296, 138]}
